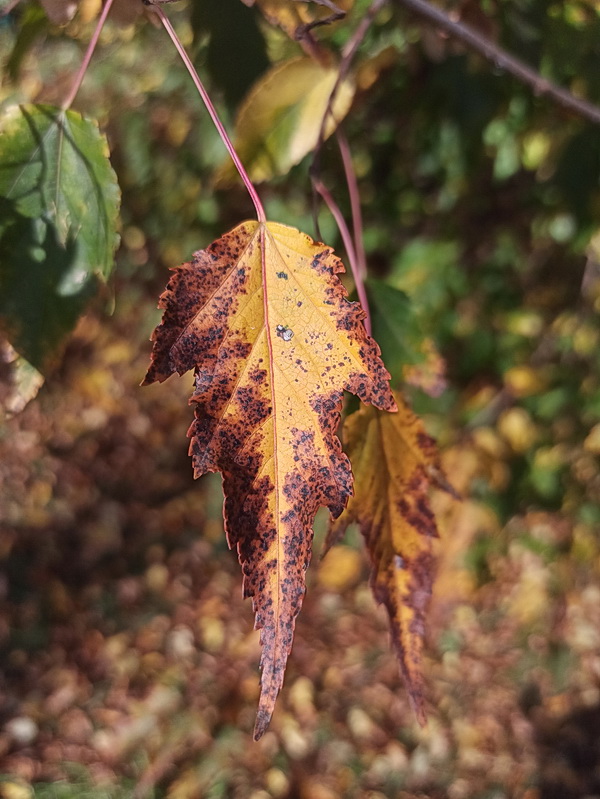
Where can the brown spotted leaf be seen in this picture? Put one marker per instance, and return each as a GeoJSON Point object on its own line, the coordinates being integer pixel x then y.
{"type": "Point", "coordinates": [263, 320]}
{"type": "Point", "coordinates": [395, 462]}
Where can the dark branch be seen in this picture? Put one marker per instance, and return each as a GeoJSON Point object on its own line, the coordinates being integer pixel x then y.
{"type": "Point", "coordinates": [336, 14]}
{"type": "Point", "coordinates": [348, 54]}
{"type": "Point", "coordinates": [502, 59]}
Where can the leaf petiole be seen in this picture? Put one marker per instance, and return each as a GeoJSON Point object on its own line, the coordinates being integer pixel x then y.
{"type": "Point", "coordinates": [354, 194]}
{"type": "Point", "coordinates": [354, 261]}
{"type": "Point", "coordinates": [87, 57]}
{"type": "Point", "coordinates": [260, 211]}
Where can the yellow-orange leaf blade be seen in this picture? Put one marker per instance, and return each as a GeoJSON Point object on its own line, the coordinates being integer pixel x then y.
{"type": "Point", "coordinates": [263, 319]}
{"type": "Point", "coordinates": [394, 463]}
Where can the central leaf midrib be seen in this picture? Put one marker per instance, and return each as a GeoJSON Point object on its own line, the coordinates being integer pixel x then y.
{"type": "Point", "coordinates": [276, 477]}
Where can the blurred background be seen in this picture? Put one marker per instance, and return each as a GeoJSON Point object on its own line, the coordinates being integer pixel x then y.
{"type": "Point", "coordinates": [129, 664]}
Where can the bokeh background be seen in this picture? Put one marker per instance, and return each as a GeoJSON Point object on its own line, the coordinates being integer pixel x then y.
{"type": "Point", "coordinates": [129, 663]}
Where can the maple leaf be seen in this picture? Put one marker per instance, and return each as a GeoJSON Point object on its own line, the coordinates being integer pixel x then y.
{"type": "Point", "coordinates": [263, 319]}
{"type": "Point", "coordinates": [395, 462]}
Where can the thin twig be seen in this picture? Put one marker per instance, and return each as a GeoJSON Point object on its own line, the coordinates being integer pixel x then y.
{"type": "Point", "coordinates": [348, 53]}
{"type": "Point", "coordinates": [501, 59]}
{"type": "Point", "coordinates": [336, 14]}
{"type": "Point", "coordinates": [87, 57]}
{"type": "Point", "coordinates": [260, 211]}
{"type": "Point", "coordinates": [354, 248]}
{"type": "Point", "coordinates": [349, 245]}
{"type": "Point", "coordinates": [354, 194]}
{"type": "Point", "coordinates": [354, 244]}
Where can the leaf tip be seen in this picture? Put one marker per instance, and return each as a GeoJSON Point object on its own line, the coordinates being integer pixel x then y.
{"type": "Point", "coordinates": [263, 719]}
{"type": "Point", "coordinates": [153, 375]}
{"type": "Point", "coordinates": [415, 698]}
{"type": "Point", "coordinates": [440, 480]}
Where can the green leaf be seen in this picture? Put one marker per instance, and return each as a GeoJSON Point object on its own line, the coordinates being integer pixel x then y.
{"type": "Point", "coordinates": [59, 202]}
{"type": "Point", "coordinates": [35, 311]}
{"type": "Point", "coordinates": [54, 166]}
{"type": "Point", "coordinates": [395, 326]}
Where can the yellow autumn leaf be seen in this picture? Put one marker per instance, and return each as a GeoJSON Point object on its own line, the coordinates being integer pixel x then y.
{"type": "Point", "coordinates": [293, 17]}
{"type": "Point", "coordinates": [263, 320]}
{"type": "Point", "coordinates": [429, 374]}
{"type": "Point", "coordinates": [279, 122]}
{"type": "Point", "coordinates": [290, 17]}
{"type": "Point", "coordinates": [394, 463]}
{"type": "Point", "coordinates": [13, 788]}
{"type": "Point", "coordinates": [341, 569]}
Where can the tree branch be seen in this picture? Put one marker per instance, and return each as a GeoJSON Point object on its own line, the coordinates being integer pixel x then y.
{"type": "Point", "coordinates": [336, 13]}
{"type": "Point", "coordinates": [348, 54]}
{"type": "Point", "coordinates": [502, 59]}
